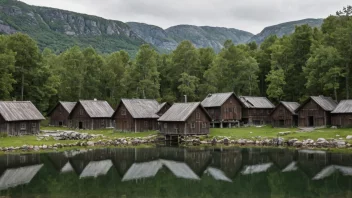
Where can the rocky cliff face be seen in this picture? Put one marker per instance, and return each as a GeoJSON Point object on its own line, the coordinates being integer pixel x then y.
{"type": "Point", "coordinates": [203, 36]}
{"type": "Point", "coordinates": [51, 27]}
{"type": "Point", "coordinates": [284, 29]}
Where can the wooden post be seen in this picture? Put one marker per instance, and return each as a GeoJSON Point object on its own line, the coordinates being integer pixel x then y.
{"type": "Point", "coordinates": [135, 125]}
{"type": "Point", "coordinates": [221, 126]}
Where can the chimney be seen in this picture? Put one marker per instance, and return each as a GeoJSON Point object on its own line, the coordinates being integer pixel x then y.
{"type": "Point", "coordinates": [185, 98]}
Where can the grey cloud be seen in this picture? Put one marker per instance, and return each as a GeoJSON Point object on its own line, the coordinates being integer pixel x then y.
{"type": "Point", "coordinates": [249, 15]}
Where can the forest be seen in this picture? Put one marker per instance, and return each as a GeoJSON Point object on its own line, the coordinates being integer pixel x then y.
{"type": "Point", "coordinates": [310, 61]}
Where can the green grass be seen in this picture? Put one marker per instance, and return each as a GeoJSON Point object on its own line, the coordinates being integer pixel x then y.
{"type": "Point", "coordinates": [269, 132]}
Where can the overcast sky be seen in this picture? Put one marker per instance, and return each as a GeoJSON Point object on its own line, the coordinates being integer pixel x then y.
{"type": "Point", "coordinates": [248, 15]}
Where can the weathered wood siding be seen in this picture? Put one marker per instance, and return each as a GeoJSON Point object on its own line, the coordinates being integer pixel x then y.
{"type": "Point", "coordinates": [125, 122]}
{"type": "Point", "coordinates": [193, 126]}
{"type": "Point", "coordinates": [282, 117]}
{"type": "Point", "coordinates": [59, 116]}
{"type": "Point", "coordinates": [256, 116]}
{"type": "Point", "coordinates": [230, 110]}
{"type": "Point", "coordinates": [17, 128]}
{"type": "Point", "coordinates": [79, 119]}
{"type": "Point", "coordinates": [312, 111]}
{"type": "Point", "coordinates": [341, 120]}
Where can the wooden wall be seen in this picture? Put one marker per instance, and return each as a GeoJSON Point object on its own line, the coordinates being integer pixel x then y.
{"type": "Point", "coordinates": [282, 117]}
{"type": "Point", "coordinates": [185, 128]}
{"type": "Point", "coordinates": [313, 110]}
{"type": "Point", "coordinates": [87, 123]}
{"type": "Point", "coordinates": [256, 116]}
{"type": "Point", "coordinates": [19, 127]}
{"type": "Point", "coordinates": [230, 110]}
{"type": "Point", "coordinates": [127, 123]}
{"type": "Point", "coordinates": [59, 114]}
{"type": "Point", "coordinates": [341, 120]}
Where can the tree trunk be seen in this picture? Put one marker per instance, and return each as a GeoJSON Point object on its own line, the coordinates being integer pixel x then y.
{"type": "Point", "coordinates": [22, 86]}
{"type": "Point", "coordinates": [347, 81]}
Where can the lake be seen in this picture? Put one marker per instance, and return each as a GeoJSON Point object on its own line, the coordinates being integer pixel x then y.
{"type": "Point", "coordinates": [177, 172]}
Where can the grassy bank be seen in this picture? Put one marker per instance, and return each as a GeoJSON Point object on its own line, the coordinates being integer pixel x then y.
{"type": "Point", "coordinates": [233, 133]}
{"type": "Point", "coordinates": [269, 132]}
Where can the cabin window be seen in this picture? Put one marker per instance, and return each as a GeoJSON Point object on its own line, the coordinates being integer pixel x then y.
{"type": "Point", "coordinates": [204, 125]}
{"type": "Point", "coordinates": [165, 125]}
{"type": "Point", "coordinates": [23, 159]}
{"type": "Point", "coordinates": [123, 111]}
{"type": "Point", "coordinates": [34, 125]}
{"type": "Point", "coordinates": [193, 125]}
{"type": "Point", "coordinates": [176, 128]}
{"type": "Point", "coordinates": [197, 115]}
{"type": "Point", "coordinates": [145, 123]}
{"type": "Point", "coordinates": [23, 125]}
{"type": "Point", "coordinates": [81, 112]}
{"type": "Point", "coordinates": [102, 122]}
{"type": "Point", "coordinates": [230, 101]}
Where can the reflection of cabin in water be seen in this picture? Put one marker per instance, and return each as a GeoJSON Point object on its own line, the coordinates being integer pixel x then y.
{"type": "Point", "coordinates": [19, 118]}
{"type": "Point", "coordinates": [185, 119]}
{"type": "Point", "coordinates": [59, 114]}
{"type": "Point", "coordinates": [229, 161]}
{"type": "Point", "coordinates": [256, 110]}
{"type": "Point", "coordinates": [91, 114]}
{"type": "Point", "coordinates": [61, 162]}
{"type": "Point", "coordinates": [312, 162]}
{"type": "Point", "coordinates": [284, 115]}
{"type": "Point", "coordinates": [225, 109]}
{"type": "Point", "coordinates": [342, 115]}
{"type": "Point", "coordinates": [315, 111]}
{"type": "Point", "coordinates": [138, 115]}
{"type": "Point", "coordinates": [198, 160]}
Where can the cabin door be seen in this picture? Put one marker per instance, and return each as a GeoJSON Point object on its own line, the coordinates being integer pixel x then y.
{"type": "Point", "coordinates": [80, 125]}
{"type": "Point", "coordinates": [310, 121]}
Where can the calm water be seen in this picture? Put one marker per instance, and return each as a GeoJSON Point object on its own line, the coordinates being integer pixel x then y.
{"type": "Point", "coordinates": [177, 172]}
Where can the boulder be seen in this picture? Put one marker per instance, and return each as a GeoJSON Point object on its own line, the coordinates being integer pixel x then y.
{"type": "Point", "coordinates": [321, 140]}
{"type": "Point", "coordinates": [349, 137]}
{"type": "Point", "coordinates": [36, 148]}
{"type": "Point", "coordinates": [226, 141]}
{"type": "Point", "coordinates": [297, 143]}
{"type": "Point", "coordinates": [214, 141]}
{"type": "Point", "coordinates": [90, 143]}
{"type": "Point", "coordinates": [334, 127]}
{"type": "Point", "coordinates": [242, 141]}
{"type": "Point", "coordinates": [292, 141]}
{"type": "Point", "coordinates": [340, 144]}
{"type": "Point", "coordinates": [44, 146]}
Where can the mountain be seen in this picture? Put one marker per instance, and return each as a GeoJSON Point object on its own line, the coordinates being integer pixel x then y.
{"type": "Point", "coordinates": [200, 36]}
{"type": "Point", "coordinates": [284, 29]}
{"type": "Point", "coordinates": [59, 29]}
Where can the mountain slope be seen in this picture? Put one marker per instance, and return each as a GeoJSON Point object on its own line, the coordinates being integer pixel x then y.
{"type": "Point", "coordinates": [203, 36]}
{"type": "Point", "coordinates": [284, 29]}
{"type": "Point", "coordinates": [154, 35]}
{"type": "Point", "coordinates": [60, 29]}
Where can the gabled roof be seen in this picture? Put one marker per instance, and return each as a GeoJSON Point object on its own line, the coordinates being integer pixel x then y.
{"type": "Point", "coordinates": [18, 176]}
{"type": "Point", "coordinates": [96, 168]}
{"type": "Point", "coordinates": [68, 106]}
{"type": "Point", "coordinates": [217, 174]}
{"type": "Point", "coordinates": [141, 108]}
{"type": "Point", "coordinates": [256, 102]}
{"type": "Point", "coordinates": [291, 106]}
{"type": "Point", "coordinates": [180, 112]}
{"type": "Point", "coordinates": [345, 106]}
{"type": "Point", "coordinates": [216, 99]}
{"type": "Point", "coordinates": [19, 111]}
{"type": "Point", "coordinates": [97, 108]}
{"type": "Point", "coordinates": [326, 103]}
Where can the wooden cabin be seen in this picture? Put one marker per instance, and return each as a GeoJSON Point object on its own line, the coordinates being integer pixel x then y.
{"type": "Point", "coordinates": [256, 110]}
{"type": "Point", "coordinates": [59, 114]}
{"type": "Point", "coordinates": [19, 118]}
{"type": "Point", "coordinates": [225, 109]}
{"type": "Point", "coordinates": [284, 115]}
{"type": "Point", "coordinates": [315, 111]}
{"type": "Point", "coordinates": [138, 115]}
{"type": "Point", "coordinates": [341, 116]}
{"type": "Point", "coordinates": [91, 114]}
{"type": "Point", "coordinates": [185, 119]}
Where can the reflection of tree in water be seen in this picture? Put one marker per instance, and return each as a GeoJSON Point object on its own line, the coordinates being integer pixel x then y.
{"type": "Point", "coordinates": [51, 181]}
